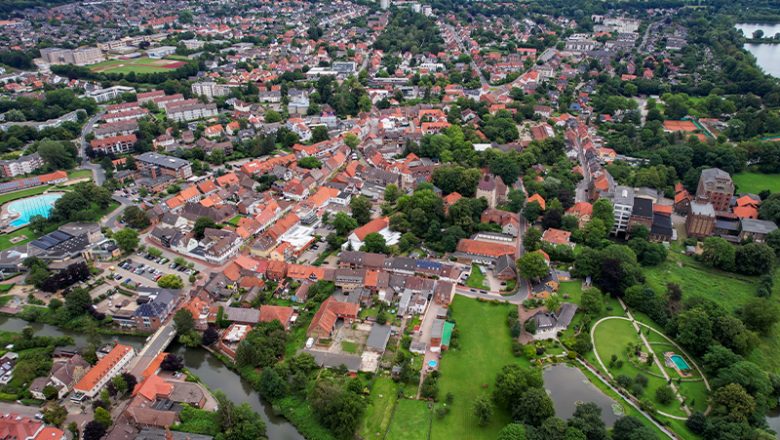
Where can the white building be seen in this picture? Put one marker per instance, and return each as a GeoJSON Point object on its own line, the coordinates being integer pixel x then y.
{"type": "Point", "coordinates": [622, 206]}
{"type": "Point", "coordinates": [20, 166]}
{"type": "Point", "coordinates": [110, 366]}
{"type": "Point", "coordinates": [161, 52]}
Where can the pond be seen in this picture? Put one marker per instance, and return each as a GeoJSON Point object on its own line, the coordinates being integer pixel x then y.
{"type": "Point", "coordinates": [767, 55]}
{"type": "Point", "coordinates": [568, 386]}
{"type": "Point", "coordinates": [25, 209]}
{"type": "Point", "coordinates": [207, 367]}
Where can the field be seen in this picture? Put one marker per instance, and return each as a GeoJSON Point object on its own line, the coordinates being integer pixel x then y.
{"type": "Point", "coordinates": [9, 197]}
{"type": "Point", "coordinates": [411, 421]}
{"type": "Point", "coordinates": [137, 65]}
{"type": "Point", "coordinates": [756, 182]}
{"type": "Point", "coordinates": [80, 174]}
{"type": "Point", "coordinates": [470, 370]}
{"type": "Point", "coordinates": [384, 394]}
{"type": "Point", "coordinates": [5, 239]}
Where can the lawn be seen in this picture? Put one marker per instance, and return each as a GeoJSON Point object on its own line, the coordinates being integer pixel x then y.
{"type": "Point", "coordinates": [8, 197]}
{"type": "Point", "coordinates": [572, 290]}
{"type": "Point", "coordinates": [468, 371]}
{"type": "Point", "coordinates": [756, 182]}
{"type": "Point", "coordinates": [79, 174]}
{"type": "Point", "coordinates": [612, 339]}
{"type": "Point", "coordinates": [349, 346]}
{"type": "Point", "coordinates": [5, 239]}
{"type": "Point", "coordinates": [411, 421]}
{"type": "Point", "coordinates": [137, 65]}
{"type": "Point", "coordinates": [384, 394]}
{"type": "Point", "coordinates": [476, 279]}
{"type": "Point", "coordinates": [234, 221]}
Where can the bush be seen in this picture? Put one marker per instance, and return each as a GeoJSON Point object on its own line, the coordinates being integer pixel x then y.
{"type": "Point", "coordinates": [664, 395]}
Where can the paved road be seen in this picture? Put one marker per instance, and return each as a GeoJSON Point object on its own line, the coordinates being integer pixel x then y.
{"type": "Point", "coordinates": [98, 174]}
{"type": "Point", "coordinates": [110, 220]}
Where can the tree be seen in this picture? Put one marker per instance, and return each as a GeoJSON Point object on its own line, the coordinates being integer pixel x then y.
{"type": "Point", "coordinates": [512, 431]}
{"type": "Point", "coordinates": [587, 418]}
{"type": "Point", "coordinates": [201, 224]}
{"type": "Point", "coordinates": [319, 134]}
{"type": "Point", "coordinates": [694, 330]}
{"type": "Point", "coordinates": [344, 224]}
{"type": "Point", "coordinates": [309, 162]}
{"type": "Point", "coordinates": [336, 407]}
{"type": "Point", "coordinates": [170, 281]}
{"type": "Point", "coordinates": [533, 266]}
{"type": "Point", "coordinates": [172, 362]}
{"type": "Point", "coordinates": [759, 314]}
{"type": "Point", "coordinates": [94, 430]}
{"type": "Point", "coordinates": [103, 417]}
{"type": "Point", "coordinates": [57, 155]}
{"type": "Point", "coordinates": [77, 302]}
{"type": "Point", "coordinates": [697, 422]}
{"type": "Point", "coordinates": [392, 193]}
{"type": "Point", "coordinates": [272, 116]}
{"type": "Point", "coordinates": [532, 240]}
{"type": "Point", "coordinates": [351, 140]}
{"type": "Point", "coordinates": [455, 178]}
{"type": "Point", "coordinates": [374, 242]}
{"type": "Point", "coordinates": [664, 395]}
{"type": "Point", "coordinates": [272, 385]}
{"type": "Point", "coordinates": [55, 414]}
{"type": "Point", "coordinates": [733, 402]}
{"type": "Point", "coordinates": [773, 241]}
{"type": "Point", "coordinates": [532, 211]}
{"type": "Point", "coordinates": [592, 302]}
{"type": "Point", "coordinates": [533, 407]}
{"type": "Point", "coordinates": [360, 207]}
{"type": "Point", "coordinates": [126, 239]}
{"type": "Point", "coordinates": [483, 410]}
{"type": "Point", "coordinates": [754, 259]}
{"type": "Point", "coordinates": [630, 428]}
{"type": "Point", "coordinates": [512, 381]}
{"type": "Point", "coordinates": [184, 321]}
{"type": "Point", "coordinates": [210, 336]}
{"type": "Point", "coordinates": [602, 210]}
{"type": "Point", "coordinates": [516, 200]}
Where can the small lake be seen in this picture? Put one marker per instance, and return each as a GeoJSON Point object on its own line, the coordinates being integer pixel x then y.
{"type": "Point", "coordinates": [211, 371]}
{"type": "Point", "coordinates": [29, 207]}
{"type": "Point", "coordinates": [568, 386]}
{"type": "Point", "coordinates": [767, 55]}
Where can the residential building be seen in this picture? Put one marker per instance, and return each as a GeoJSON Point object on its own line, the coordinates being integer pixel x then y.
{"type": "Point", "coordinates": [622, 207]}
{"type": "Point", "coordinates": [107, 368]}
{"type": "Point", "coordinates": [21, 165]}
{"type": "Point", "coordinates": [715, 186]}
{"type": "Point", "coordinates": [114, 145]}
{"type": "Point", "coordinates": [159, 164]}
{"type": "Point", "coordinates": [549, 324]}
{"type": "Point", "coordinates": [755, 230]}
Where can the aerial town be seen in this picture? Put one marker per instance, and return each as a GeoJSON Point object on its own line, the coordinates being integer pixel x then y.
{"type": "Point", "coordinates": [389, 220]}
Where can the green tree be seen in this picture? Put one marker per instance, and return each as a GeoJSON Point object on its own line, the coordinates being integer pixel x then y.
{"type": "Point", "coordinates": [694, 330]}
{"type": "Point", "coordinates": [602, 210]}
{"type": "Point", "coordinates": [374, 242]}
{"type": "Point", "coordinates": [664, 395]}
{"type": "Point", "coordinates": [733, 402]}
{"type": "Point", "coordinates": [103, 417]}
{"type": "Point", "coordinates": [351, 140]}
{"type": "Point", "coordinates": [55, 414]}
{"type": "Point", "coordinates": [532, 240]}
{"type": "Point", "coordinates": [126, 239]}
{"type": "Point", "coordinates": [360, 207]}
{"type": "Point", "coordinates": [184, 321]}
{"type": "Point", "coordinates": [718, 253]}
{"type": "Point", "coordinates": [344, 224]}
{"type": "Point", "coordinates": [512, 381]}
{"type": "Point", "coordinates": [512, 431]}
{"type": "Point", "coordinates": [483, 410]}
{"type": "Point", "coordinates": [272, 116]}
{"type": "Point", "coordinates": [77, 302]}
{"type": "Point", "coordinates": [532, 211]}
{"type": "Point", "coordinates": [759, 314]}
{"type": "Point", "coordinates": [170, 281]}
{"type": "Point", "coordinates": [754, 259]}
{"type": "Point", "coordinates": [392, 193]}
{"type": "Point", "coordinates": [533, 407]}
{"type": "Point", "coordinates": [532, 266]}
{"type": "Point", "coordinates": [201, 224]}
{"type": "Point", "coordinates": [309, 162]}
{"type": "Point", "coordinates": [516, 200]}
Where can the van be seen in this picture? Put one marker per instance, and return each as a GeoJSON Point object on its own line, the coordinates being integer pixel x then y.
{"type": "Point", "coordinates": [310, 343]}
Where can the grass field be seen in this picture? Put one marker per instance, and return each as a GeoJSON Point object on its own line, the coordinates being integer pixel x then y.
{"type": "Point", "coordinates": [137, 65]}
{"type": "Point", "coordinates": [5, 239]}
{"type": "Point", "coordinates": [411, 421]}
{"type": "Point", "coordinates": [234, 221]}
{"type": "Point", "coordinates": [612, 339]}
{"type": "Point", "coordinates": [470, 370]}
{"type": "Point", "coordinates": [476, 279]}
{"type": "Point", "coordinates": [79, 174]}
{"type": "Point", "coordinates": [349, 346]}
{"type": "Point", "coordinates": [756, 182]}
{"type": "Point", "coordinates": [9, 197]}
{"type": "Point", "coordinates": [384, 394]}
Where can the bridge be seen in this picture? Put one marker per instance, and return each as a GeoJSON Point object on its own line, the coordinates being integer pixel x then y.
{"type": "Point", "coordinates": [155, 345]}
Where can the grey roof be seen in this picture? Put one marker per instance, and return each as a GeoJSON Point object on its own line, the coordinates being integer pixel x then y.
{"type": "Point", "coordinates": [239, 314]}
{"type": "Point", "coordinates": [378, 337]}
{"type": "Point", "coordinates": [662, 225]}
{"type": "Point", "coordinates": [699, 208]}
{"type": "Point", "coordinates": [162, 160]}
{"type": "Point", "coordinates": [566, 314]}
{"type": "Point", "coordinates": [333, 360]}
{"type": "Point", "coordinates": [758, 226]}
{"type": "Point", "coordinates": [624, 195]}
{"type": "Point", "coordinates": [642, 207]}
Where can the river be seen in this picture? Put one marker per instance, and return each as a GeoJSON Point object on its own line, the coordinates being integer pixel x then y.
{"type": "Point", "coordinates": [767, 55]}
{"type": "Point", "coordinates": [207, 367]}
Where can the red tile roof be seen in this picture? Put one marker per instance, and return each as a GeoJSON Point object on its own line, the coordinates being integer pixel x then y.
{"type": "Point", "coordinates": [279, 313]}
{"type": "Point", "coordinates": [485, 249]}
{"type": "Point", "coordinates": [102, 368]}
{"type": "Point", "coordinates": [374, 225]}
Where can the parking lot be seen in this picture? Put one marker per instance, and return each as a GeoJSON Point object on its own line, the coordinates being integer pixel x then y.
{"type": "Point", "coordinates": [145, 269]}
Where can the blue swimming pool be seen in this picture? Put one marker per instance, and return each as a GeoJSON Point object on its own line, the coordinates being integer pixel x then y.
{"type": "Point", "coordinates": [680, 362]}
{"type": "Point", "coordinates": [30, 207]}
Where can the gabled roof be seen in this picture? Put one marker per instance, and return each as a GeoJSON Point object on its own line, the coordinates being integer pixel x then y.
{"type": "Point", "coordinates": [373, 226]}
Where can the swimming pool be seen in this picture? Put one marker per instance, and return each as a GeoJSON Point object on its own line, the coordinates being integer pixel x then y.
{"type": "Point", "coordinates": [30, 207]}
{"type": "Point", "coordinates": [680, 362]}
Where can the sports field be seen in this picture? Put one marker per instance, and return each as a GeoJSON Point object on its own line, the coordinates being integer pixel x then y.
{"type": "Point", "coordinates": [755, 182]}
{"type": "Point", "coordinates": [137, 65]}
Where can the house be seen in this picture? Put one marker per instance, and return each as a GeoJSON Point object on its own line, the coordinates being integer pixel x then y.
{"type": "Point", "coordinates": [557, 237]}
{"type": "Point", "coordinates": [755, 230]}
{"type": "Point", "coordinates": [493, 189]}
{"type": "Point", "coordinates": [641, 213]}
{"type": "Point", "coordinates": [107, 368]}
{"type": "Point", "coordinates": [549, 324]}
{"type": "Point", "coordinates": [484, 252]}
{"type": "Point", "coordinates": [509, 221]}
{"type": "Point", "coordinates": [715, 186]}
{"type": "Point", "coordinates": [378, 338]}
{"type": "Point", "coordinates": [700, 222]}
{"type": "Point", "coordinates": [14, 426]}
{"type": "Point", "coordinates": [282, 314]}
{"type": "Point", "coordinates": [324, 321]}
{"type": "Point", "coordinates": [505, 268]}
{"type": "Point", "coordinates": [538, 199]}
{"type": "Point", "coordinates": [149, 316]}
{"type": "Point", "coordinates": [63, 375]}
{"type": "Point", "coordinates": [380, 226]}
